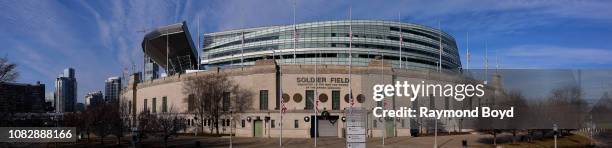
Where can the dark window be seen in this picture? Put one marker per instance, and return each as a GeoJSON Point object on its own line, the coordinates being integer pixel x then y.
{"type": "Point", "coordinates": [446, 103]}
{"type": "Point", "coordinates": [323, 97]}
{"type": "Point", "coordinates": [335, 100]}
{"type": "Point", "coordinates": [297, 98]}
{"type": "Point", "coordinates": [145, 105]}
{"type": "Point", "coordinates": [296, 123]}
{"type": "Point", "coordinates": [432, 102]}
{"type": "Point", "coordinates": [286, 98]}
{"type": "Point", "coordinates": [309, 99]}
{"type": "Point", "coordinates": [164, 104]}
{"type": "Point", "coordinates": [374, 122]}
{"type": "Point", "coordinates": [226, 101]}
{"type": "Point", "coordinates": [154, 105]}
{"type": "Point", "coordinates": [190, 102]}
{"type": "Point", "coordinates": [242, 124]}
{"type": "Point", "coordinates": [263, 99]}
{"type": "Point", "coordinates": [347, 98]}
{"type": "Point", "coordinates": [272, 124]}
{"type": "Point", "coordinates": [360, 98]}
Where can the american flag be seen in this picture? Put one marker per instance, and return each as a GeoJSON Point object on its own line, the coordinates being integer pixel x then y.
{"type": "Point", "coordinates": [351, 97]}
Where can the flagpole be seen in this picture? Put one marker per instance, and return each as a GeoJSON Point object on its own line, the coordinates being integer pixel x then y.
{"type": "Point", "coordinates": [316, 101]}
{"type": "Point", "coordinates": [242, 40]}
{"type": "Point", "coordinates": [439, 71]}
{"type": "Point", "coordinates": [496, 61]}
{"type": "Point", "coordinates": [467, 42]}
{"type": "Point", "coordinates": [440, 51]}
{"type": "Point", "coordinates": [351, 59]}
{"type": "Point", "coordinates": [401, 37]}
{"type": "Point", "coordinates": [294, 33]}
{"type": "Point", "coordinates": [486, 62]}
{"type": "Point", "coordinates": [350, 65]}
{"type": "Point", "coordinates": [199, 43]}
{"type": "Point", "coordinates": [280, 75]}
{"type": "Point", "coordinates": [382, 76]}
{"type": "Point", "coordinates": [167, 56]}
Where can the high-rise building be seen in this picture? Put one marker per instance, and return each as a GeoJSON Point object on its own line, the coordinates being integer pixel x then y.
{"type": "Point", "coordinates": [79, 107]}
{"type": "Point", "coordinates": [151, 69]}
{"type": "Point", "coordinates": [112, 89]}
{"type": "Point", "coordinates": [22, 98]}
{"type": "Point", "coordinates": [93, 98]}
{"type": "Point", "coordinates": [50, 97]}
{"type": "Point", "coordinates": [65, 91]}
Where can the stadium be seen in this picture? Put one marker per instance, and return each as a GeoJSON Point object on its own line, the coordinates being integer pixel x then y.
{"type": "Point", "coordinates": [300, 64]}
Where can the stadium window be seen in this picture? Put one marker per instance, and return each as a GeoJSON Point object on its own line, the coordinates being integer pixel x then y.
{"type": "Point", "coordinates": [263, 99]}
{"type": "Point", "coordinates": [360, 98]}
{"type": "Point", "coordinates": [432, 102]}
{"type": "Point", "coordinates": [164, 104]}
{"type": "Point", "coordinates": [335, 99]}
{"type": "Point", "coordinates": [446, 103]}
{"type": "Point", "coordinates": [347, 98]}
{"type": "Point", "coordinates": [374, 123]}
{"type": "Point", "coordinates": [309, 99]}
{"type": "Point", "coordinates": [226, 101]}
{"type": "Point", "coordinates": [190, 102]}
{"type": "Point", "coordinates": [145, 105]}
{"type": "Point", "coordinates": [154, 105]}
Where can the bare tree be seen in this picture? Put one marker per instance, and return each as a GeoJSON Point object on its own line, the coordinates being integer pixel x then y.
{"type": "Point", "coordinates": [491, 125]}
{"type": "Point", "coordinates": [168, 124]}
{"type": "Point", "coordinates": [119, 114]}
{"type": "Point", "coordinates": [566, 107]}
{"type": "Point", "coordinates": [206, 94]}
{"type": "Point", "coordinates": [102, 120]}
{"type": "Point", "coordinates": [519, 121]}
{"type": "Point", "coordinates": [7, 71]}
{"type": "Point", "coordinates": [602, 110]}
{"type": "Point", "coordinates": [147, 123]}
{"type": "Point", "coordinates": [242, 102]}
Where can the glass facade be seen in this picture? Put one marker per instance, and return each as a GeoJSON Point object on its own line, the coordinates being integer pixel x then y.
{"type": "Point", "coordinates": [328, 43]}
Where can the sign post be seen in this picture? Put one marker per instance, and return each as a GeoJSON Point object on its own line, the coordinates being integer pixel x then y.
{"type": "Point", "coordinates": [355, 130]}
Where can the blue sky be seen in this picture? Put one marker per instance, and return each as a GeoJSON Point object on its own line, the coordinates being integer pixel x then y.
{"type": "Point", "coordinates": [101, 37]}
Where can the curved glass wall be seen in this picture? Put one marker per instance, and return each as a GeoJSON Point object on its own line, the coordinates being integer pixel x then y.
{"type": "Point", "coordinates": [328, 43]}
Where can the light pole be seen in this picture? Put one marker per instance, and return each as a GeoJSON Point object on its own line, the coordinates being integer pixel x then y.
{"type": "Point", "coordinates": [555, 134]}
{"type": "Point", "coordinates": [231, 127]}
